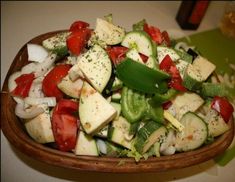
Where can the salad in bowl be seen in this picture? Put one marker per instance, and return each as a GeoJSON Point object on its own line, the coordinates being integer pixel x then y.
{"type": "Point", "coordinates": [108, 92]}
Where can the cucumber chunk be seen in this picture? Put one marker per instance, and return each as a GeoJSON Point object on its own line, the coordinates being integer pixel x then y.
{"type": "Point", "coordinates": [139, 40]}
{"type": "Point", "coordinates": [193, 135]}
{"type": "Point", "coordinates": [148, 135]}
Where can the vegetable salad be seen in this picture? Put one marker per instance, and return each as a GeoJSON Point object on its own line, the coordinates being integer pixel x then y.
{"type": "Point", "coordinates": [111, 92]}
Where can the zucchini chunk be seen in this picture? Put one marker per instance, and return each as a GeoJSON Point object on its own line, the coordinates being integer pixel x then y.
{"type": "Point", "coordinates": [148, 135]}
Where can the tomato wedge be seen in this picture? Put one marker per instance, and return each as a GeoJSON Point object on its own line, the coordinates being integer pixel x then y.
{"type": "Point", "coordinates": [49, 83]}
{"type": "Point", "coordinates": [117, 54]}
{"type": "Point", "coordinates": [166, 38]}
{"type": "Point", "coordinates": [77, 40]}
{"type": "Point", "coordinates": [24, 83]}
{"type": "Point", "coordinates": [154, 33]}
{"type": "Point", "coordinates": [66, 106]}
{"type": "Point", "coordinates": [223, 107]}
{"type": "Point", "coordinates": [78, 25]}
{"type": "Point", "coordinates": [157, 36]}
{"type": "Point", "coordinates": [65, 125]}
{"type": "Point", "coordinates": [169, 66]}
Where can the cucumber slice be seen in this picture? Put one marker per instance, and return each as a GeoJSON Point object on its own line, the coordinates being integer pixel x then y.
{"type": "Point", "coordinates": [117, 84]}
{"type": "Point", "coordinates": [216, 124]}
{"type": "Point", "coordinates": [162, 51]}
{"type": "Point", "coordinates": [139, 40]}
{"type": "Point", "coordinates": [213, 89]}
{"type": "Point", "coordinates": [194, 134]}
{"type": "Point", "coordinates": [148, 135]}
{"type": "Point", "coordinates": [57, 44]}
{"type": "Point", "coordinates": [119, 132]}
{"type": "Point", "coordinates": [107, 33]}
{"type": "Point", "coordinates": [70, 88]}
{"type": "Point", "coordinates": [86, 145]}
{"type": "Point", "coordinates": [152, 63]}
{"type": "Point", "coordinates": [116, 97]}
{"type": "Point", "coordinates": [197, 73]}
{"type": "Point", "coordinates": [96, 66]}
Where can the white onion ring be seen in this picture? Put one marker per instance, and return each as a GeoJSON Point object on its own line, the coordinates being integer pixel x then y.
{"type": "Point", "coordinates": [21, 113]}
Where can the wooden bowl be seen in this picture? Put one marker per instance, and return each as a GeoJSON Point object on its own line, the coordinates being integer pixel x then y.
{"type": "Point", "coordinates": [16, 134]}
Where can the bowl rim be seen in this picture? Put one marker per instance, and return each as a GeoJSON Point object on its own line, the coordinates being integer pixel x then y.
{"type": "Point", "coordinates": [14, 132]}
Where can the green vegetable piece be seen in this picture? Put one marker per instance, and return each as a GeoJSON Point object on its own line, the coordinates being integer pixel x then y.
{"type": "Point", "coordinates": [149, 134]}
{"type": "Point", "coordinates": [139, 25]}
{"type": "Point", "coordinates": [109, 18]}
{"type": "Point", "coordinates": [159, 99]}
{"type": "Point", "coordinates": [184, 56]}
{"type": "Point", "coordinates": [155, 113]}
{"type": "Point", "coordinates": [133, 105]}
{"type": "Point", "coordinates": [141, 78]}
{"type": "Point", "coordinates": [213, 89]}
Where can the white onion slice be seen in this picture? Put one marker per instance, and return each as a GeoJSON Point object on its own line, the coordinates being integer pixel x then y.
{"type": "Point", "coordinates": [36, 88]}
{"type": "Point", "coordinates": [33, 112]}
{"type": "Point", "coordinates": [39, 69]}
{"type": "Point", "coordinates": [49, 101]}
{"type": "Point", "coordinates": [36, 53]}
{"type": "Point", "coordinates": [170, 139]}
{"type": "Point", "coordinates": [169, 151]}
{"type": "Point", "coordinates": [11, 81]}
{"type": "Point", "coordinates": [101, 146]}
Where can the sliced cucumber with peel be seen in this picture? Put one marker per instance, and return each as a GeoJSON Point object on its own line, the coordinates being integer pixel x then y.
{"type": "Point", "coordinates": [193, 135]}
{"type": "Point", "coordinates": [139, 40]}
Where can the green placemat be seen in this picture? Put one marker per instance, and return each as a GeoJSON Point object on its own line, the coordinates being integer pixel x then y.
{"type": "Point", "coordinates": [220, 50]}
{"type": "Point", "coordinates": [216, 47]}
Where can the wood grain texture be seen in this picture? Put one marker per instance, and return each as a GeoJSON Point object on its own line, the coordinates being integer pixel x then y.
{"type": "Point", "coordinates": [17, 136]}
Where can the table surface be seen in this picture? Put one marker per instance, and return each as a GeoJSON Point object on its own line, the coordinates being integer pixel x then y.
{"type": "Point", "coordinates": [21, 21]}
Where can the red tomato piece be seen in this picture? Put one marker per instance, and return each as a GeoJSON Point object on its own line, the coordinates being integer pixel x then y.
{"type": "Point", "coordinates": [223, 107]}
{"type": "Point", "coordinates": [78, 25]}
{"type": "Point", "coordinates": [24, 83]}
{"type": "Point", "coordinates": [143, 57]}
{"type": "Point", "coordinates": [166, 105]}
{"type": "Point", "coordinates": [77, 41]}
{"type": "Point", "coordinates": [64, 128]}
{"type": "Point", "coordinates": [117, 54]}
{"type": "Point", "coordinates": [65, 124]}
{"type": "Point", "coordinates": [169, 66]}
{"type": "Point", "coordinates": [66, 106]}
{"type": "Point", "coordinates": [166, 38]}
{"type": "Point", "coordinates": [154, 33]}
{"type": "Point", "coordinates": [49, 83]}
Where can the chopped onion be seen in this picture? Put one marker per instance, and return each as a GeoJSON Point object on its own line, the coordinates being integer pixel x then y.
{"type": "Point", "coordinates": [36, 53]}
{"type": "Point", "coordinates": [39, 69]}
{"type": "Point", "coordinates": [11, 81]}
{"type": "Point", "coordinates": [169, 151]}
{"type": "Point", "coordinates": [36, 88]}
{"type": "Point", "coordinates": [101, 146]}
{"type": "Point", "coordinates": [49, 101]}
{"type": "Point", "coordinates": [168, 141]}
{"type": "Point", "coordinates": [31, 113]}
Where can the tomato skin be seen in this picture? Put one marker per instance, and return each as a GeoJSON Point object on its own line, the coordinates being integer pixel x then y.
{"type": "Point", "coordinates": [64, 128]}
{"type": "Point", "coordinates": [223, 107]}
{"type": "Point", "coordinates": [168, 66]}
{"type": "Point", "coordinates": [154, 33]}
{"type": "Point", "coordinates": [166, 38]}
{"type": "Point", "coordinates": [65, 124]}
{"type": "Point", "coordinates": [117, 54]}
{"type": "Point", "coordinates": [77, 41]}
{"type": "Point", "coordinates": [78, 25]}
{"type": "Point", "coordinates": [24, 83]}
{"type": "Point", "coordinates": [66, 106]}
{"type": "Point", "coordinates": [49, 83]}
{"type": "Point", "coordinates": [157, 36]}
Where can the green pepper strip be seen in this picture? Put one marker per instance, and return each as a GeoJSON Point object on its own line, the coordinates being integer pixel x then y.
{"type": "Point", "coordinates": [141, 78]}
